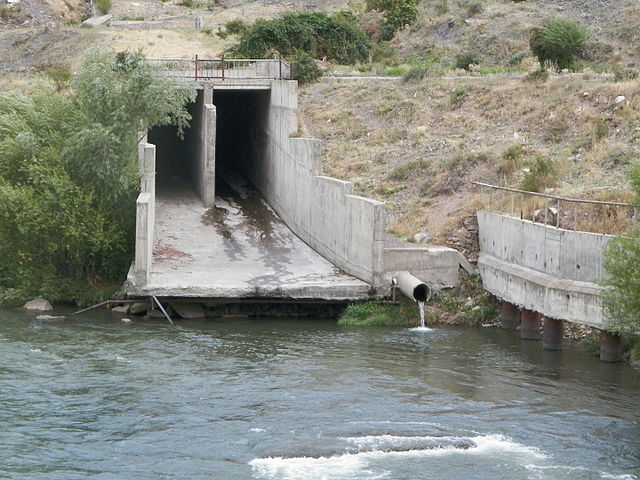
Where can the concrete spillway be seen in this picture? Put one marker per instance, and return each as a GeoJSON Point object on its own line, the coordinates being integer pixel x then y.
{"type": "Point", "coordinates": [239, 248]}
{"type": "Point", "coordinates": [303, 236]}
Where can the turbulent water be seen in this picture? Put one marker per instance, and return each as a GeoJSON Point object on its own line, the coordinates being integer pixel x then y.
{"type": "Point", "coordinates": [93, 397]}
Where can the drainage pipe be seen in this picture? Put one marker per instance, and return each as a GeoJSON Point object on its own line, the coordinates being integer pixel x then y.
{"type": "Point", "coordinates": [413, 287]}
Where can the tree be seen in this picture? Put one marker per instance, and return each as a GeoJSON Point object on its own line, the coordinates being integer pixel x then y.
{"type": "Point", "coordinates": [397, 13]}
{"type": "Point", "coordinates": [622, 263]}
{"type": "Point", "coordinates": [559, 41]}
{"type": "Point", "coordinates": [68, 176]}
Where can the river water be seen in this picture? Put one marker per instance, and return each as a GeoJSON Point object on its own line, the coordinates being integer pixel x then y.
{"type": "Point", "coordinates": [96, 398]}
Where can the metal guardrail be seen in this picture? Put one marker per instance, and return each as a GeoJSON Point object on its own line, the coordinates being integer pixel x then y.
{"type": "Point", "coordinates": [557, 215]}
{"type": "Point", "coordinates": [223, 69]}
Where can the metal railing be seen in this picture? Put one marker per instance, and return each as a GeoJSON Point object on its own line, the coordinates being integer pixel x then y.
{"type": "Point", "coordinates": [562, 212]}
{"type": "Point", "coordinates": [223, 69]}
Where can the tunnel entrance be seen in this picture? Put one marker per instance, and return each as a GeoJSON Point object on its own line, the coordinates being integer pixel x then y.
{"type": "Point", "coordinates": [241, 121]}
{"type": "Point", "coordinates": [176, 156]}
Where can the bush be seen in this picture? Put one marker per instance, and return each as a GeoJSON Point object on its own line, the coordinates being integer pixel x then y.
{"type": "Point", "coordinates": [305, 69]}
{"type": "Point", "coordinates": [475, 8]}
{"type": "Point", "coordinates": [68, 177]}
{"type": "Point", "coordinates": [103, 6]}
{"type": "Point", "coordinates": [558, 42]}
{"type": "Point", "coordinates": [538, 76]}
{"type": "Point", "coordinates": [464, 60]}
{"type": "Point", "coordinates": [457, 95]}
{"type": "Point", "coordinates": [542, 174]}
{"type": "Point", "coordinates": [623, 74]}
{"type": "Point", "coordinates": [336, 38]}
{"type": "Point", "coordinates": [236, 27]}
{"type": "Point", "coordinates": [397, 13]}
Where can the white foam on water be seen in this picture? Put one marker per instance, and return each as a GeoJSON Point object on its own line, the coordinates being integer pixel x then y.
{"type": "Point", "coordinates": [257, 430]}
{"type": "Point", "coordinates": [35, 350]}
{"type": "Point", "coordinates": [381, 447]}
{"type": "Point", "coordinates": [309, 468]}
{"type": "Point", "coordinates": [622, 476]}
{"type": "Point", "coordinates": [421, 329]}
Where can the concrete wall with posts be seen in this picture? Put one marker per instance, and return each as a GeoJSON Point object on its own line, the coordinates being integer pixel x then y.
{"type": "Point", "coordinates": [542, 268]}
{"type": "Point", "coordinates": [145, 213]}
{"type": "Point", "coordinates": [324, 212]}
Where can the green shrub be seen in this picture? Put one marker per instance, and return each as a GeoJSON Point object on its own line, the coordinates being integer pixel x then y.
{"type": "Point", "coordinates": [601, 130]}
{"type": "Point", "coordinates": [537, 76]}
{"type": "Point", "coordinates": [60, 76]}
{"type": "Point", "coordinates": [305, 69]}
{"type": "Point", "coordinates": [457, 95]}
{"type": "Point", "coordinates": [397, 13]}
{"type": "Point", "coordinates": [103, 6]}
{"type": "Point", "coordinates": [464, 60]}
{"type": "Point", "coordinates": [560, 41]}
{"type": "Point", "coordinates": [623, 74]}
{"type": "Point", "coordinates": [517, 59]}
{"type": "Point", "coordinates": [405, 170]}
{"type": "Point", "coordinates": [68, 176]}
{"type": "Point", "coordinates": [236, 27]}
{"type": "Point", "coordinates": [318, 34]}
{"type": "Point", "coordinates": [542, 174]}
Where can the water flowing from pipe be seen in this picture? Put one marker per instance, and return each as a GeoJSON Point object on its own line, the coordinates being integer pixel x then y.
{"type": "Point", "coordinates": [421, 311]}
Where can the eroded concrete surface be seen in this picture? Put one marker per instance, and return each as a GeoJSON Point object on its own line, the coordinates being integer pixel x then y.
{"type": "Point", "coordinates": [240, 248]}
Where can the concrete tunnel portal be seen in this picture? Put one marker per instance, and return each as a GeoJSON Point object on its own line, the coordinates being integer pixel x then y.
{"type": "Point", "coordinates": [240, 121]}
{"type": "Point", "coordinates": [234, 244]}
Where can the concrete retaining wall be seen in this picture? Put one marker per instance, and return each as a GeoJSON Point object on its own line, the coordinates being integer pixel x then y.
{"type": "Point", "coordinates": [437, 266]}
{"type": "Point", "coordinates": [542, 268]}
{"type": "Point", "coordinates": [324, 212]}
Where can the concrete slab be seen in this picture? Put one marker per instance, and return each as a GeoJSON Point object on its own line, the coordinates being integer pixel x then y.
{"type": "Point", "coordinates": [240, 248]}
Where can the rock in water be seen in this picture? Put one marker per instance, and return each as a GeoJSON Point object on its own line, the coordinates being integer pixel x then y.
{"type": "Point", "coordinates": [50, 318]}
{"type": "Point", "coordinates": [120, 309]}
{"type": "Point", "coordinates": [138, 308]}
{"type": "Point", "coordinates": [126, 320]}
{"type": "Point", "coordinates": [38, 305]}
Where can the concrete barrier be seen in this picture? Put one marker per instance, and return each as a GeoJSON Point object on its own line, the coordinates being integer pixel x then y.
{"type": "Point", "coordinates": [543, 268]}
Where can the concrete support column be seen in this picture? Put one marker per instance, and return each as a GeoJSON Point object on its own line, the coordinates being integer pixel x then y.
{"type": "Point", "coordinates": [610, 347]}
{"type": "Point", "coordinates": [509, 316]}
{"type": "Point", "coordinates": [144, 239]}
{"type": "Point", "coordinates": [529, 325]}
{"type": "Point", "coordinates": [553, 331]}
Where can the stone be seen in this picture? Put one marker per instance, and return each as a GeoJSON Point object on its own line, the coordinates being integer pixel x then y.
{"type": "Point", "coordinates": [138, 308]}
{"type": "Point", "coordinates": [97, 21]}
{"type": "Point", "coordinates": [189, 311]}
{"type": "Point", "coordinates": [38, 305]}
{"type": "Point", "coordinates": [120, 309]}
{"type": "Point", "coordinates": [50, 318]}
{"type": "Point", "coordinates": [421, 238]}
{"type": "Point", "coordinates": [620, 99]}
{"type": "Point", "coordinates": [125, 320]}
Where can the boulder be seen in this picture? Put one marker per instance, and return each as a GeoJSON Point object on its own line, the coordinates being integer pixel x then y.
{"type": "Point", "coordinates": [38, 305]}
{"type": "Point", "coordinates": [97, 21]}
{"type": "Point", "coordinates": [139, 308]}
{"type": "Point", "coordinates": [421, 238]}
{"type": "Point", "coordinates": [120, 309]}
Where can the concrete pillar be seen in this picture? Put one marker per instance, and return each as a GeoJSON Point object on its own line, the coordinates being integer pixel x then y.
{"type": "Point", "coordinates": [509, 316]}
{"type": "Point", "coordinates": [144, 239]}
{"type": "Point", "coordinates": [529, 325]}
{"type": "Point", "coordinates": [552, 334]}
{"type": "Point", "coordinates": [610, 347]}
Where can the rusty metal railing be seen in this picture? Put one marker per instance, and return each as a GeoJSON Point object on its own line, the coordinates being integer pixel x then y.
{"type": "Point", "coordinates": [569, 213]}
{"type": "Point", "coordinates": [223, 69]}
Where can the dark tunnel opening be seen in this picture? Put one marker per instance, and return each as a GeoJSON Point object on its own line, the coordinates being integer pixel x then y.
{"type": "Point", "coordinates": [241, 118]}
{"type": "Point", "coordinates": [175, 156]}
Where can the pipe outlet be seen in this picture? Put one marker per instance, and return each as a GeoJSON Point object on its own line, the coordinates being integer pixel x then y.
{"type": "Point", "coordinates": [413, 287]}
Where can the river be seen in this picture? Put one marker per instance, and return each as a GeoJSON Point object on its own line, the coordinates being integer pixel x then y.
{"type": "Point", "coordinates": [92, 397]}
